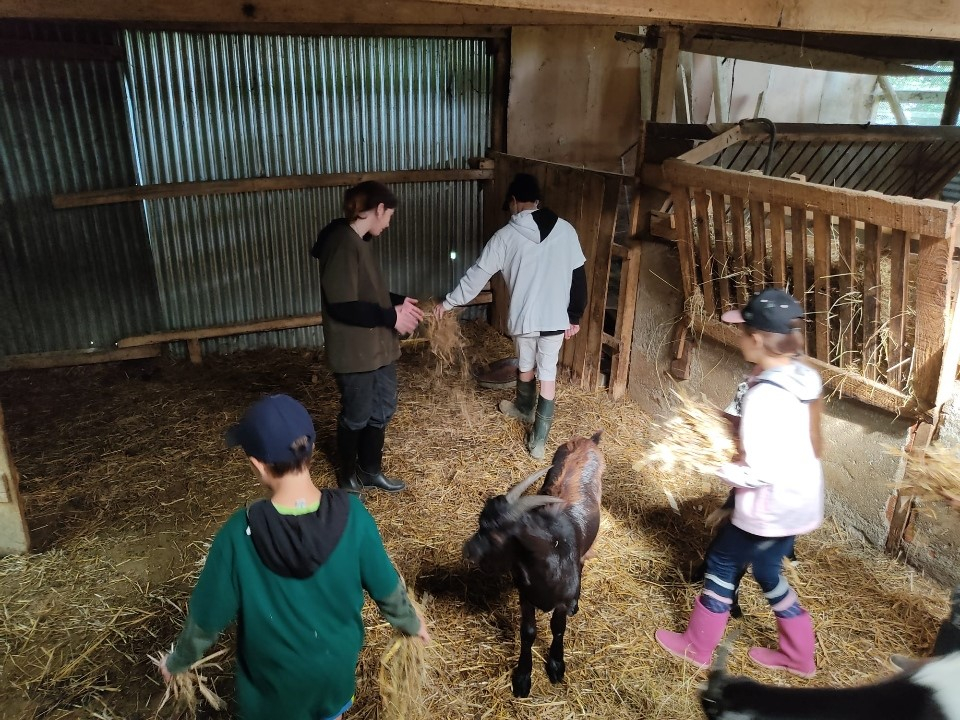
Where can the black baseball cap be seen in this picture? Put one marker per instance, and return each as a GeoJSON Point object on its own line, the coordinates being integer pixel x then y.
{"type": "Point", "coordinates": [524, 187]}
{"type": "Point", "coordinates": [271, 430]}
{"type": "Point", "coordinates": [770, 310]}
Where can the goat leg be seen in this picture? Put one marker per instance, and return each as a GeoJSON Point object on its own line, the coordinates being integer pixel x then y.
{"type": "Point", "coordinates": [558, 626]}
{"type": "Point", "coordinates": [528, 633]}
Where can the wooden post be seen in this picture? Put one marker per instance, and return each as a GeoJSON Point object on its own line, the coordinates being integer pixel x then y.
{"type": "Point", "coordinates": [665, 76]}
{"type": "Point", "coordinates": [951, 103]}
{"type": "Point", "coordinates": [500, 94]}
{"type": "Point", "coordinates": [14, 537]}
{"type": "Point", "coordinates": [933, 307]}
{"type": "Point", "coordinates": [193, 350]}
{"type": "Point", "coordinates": [918, 440]}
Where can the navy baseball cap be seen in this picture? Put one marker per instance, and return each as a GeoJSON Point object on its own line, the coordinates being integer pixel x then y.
{"type": "Point", "coordinates": [770, 310]}
{"type": "Point", "coordinates": [271, 428]}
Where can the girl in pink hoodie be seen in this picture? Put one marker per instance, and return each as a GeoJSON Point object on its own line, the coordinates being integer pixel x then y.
{"type": "Point", "coordinates": [778, 483]}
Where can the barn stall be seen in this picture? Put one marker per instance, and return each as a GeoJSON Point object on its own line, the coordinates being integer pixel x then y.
{"type": "Point", "coordinates": [122, 473]}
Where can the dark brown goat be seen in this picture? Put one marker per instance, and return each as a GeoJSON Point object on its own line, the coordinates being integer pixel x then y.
{"type": "Point", "coordinates": [544, 539]}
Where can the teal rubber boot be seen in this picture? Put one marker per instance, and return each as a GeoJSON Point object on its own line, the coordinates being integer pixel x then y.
{"type": "Point", "coordinates": [537, 442]}
{"type": "Point", "coordinates": [522, 406]}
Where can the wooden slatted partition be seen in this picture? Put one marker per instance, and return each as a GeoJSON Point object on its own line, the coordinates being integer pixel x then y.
{"type": "Point", "coordinates": [873, 273]}
{"type": "Point", "coordinates": [588, 200]}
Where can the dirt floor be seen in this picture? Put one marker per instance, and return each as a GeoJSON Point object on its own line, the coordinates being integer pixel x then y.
{"type": "Point", "coordinates": [125, 479]}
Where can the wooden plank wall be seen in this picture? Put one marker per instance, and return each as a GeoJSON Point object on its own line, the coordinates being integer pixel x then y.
{"type": "Point", "coordinates": [878, 289]}
{"type": "Point", "coordinates": [589, 201]}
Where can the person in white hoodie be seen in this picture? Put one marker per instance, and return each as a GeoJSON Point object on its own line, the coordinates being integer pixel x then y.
{"type": "Point", "coordinates": [542, 263]}
{"type": "Point", "coordinates": [778, 483]}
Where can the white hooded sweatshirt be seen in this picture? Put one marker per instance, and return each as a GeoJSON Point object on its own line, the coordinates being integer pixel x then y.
{"type": "Point", "coordinates": [537, 264]}
{"type": "Point", "coordinates": [779, 487]}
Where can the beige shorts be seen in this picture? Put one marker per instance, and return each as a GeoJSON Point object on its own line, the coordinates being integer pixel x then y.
{"type": "Point", "coordinates": [540, 351]}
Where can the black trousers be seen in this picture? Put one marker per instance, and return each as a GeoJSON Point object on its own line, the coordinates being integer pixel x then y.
{"type": "Point", "coordinates": [367, 398]}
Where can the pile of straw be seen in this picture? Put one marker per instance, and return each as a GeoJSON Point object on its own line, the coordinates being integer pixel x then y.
{"type": "Point", "coordinates": [404, 676]}
{"type": "Point", "coordinates": [137, 479]}
{"type": "Point", "coordinates": [934, 476]}
{"type": "Point", "coordinates": [696, 439]}
{"type": "Point", "coordinates": [186, 688]}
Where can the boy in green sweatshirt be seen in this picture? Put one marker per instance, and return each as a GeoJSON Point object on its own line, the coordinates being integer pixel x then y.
{"type": "Point", "coordinates": [291, 570]}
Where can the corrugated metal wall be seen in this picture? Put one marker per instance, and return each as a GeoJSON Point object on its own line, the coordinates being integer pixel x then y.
{"type": "Point", "coordinates": [192, 107]}
{"type": "Point", "coordinates": [212, 107]}
{"type": "Point", "coordinates": [69, 278]}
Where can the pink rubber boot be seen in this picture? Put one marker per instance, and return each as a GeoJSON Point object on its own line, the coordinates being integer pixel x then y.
{"type": "Point", "coordinates": [703, 634]}
{"type": "Point", "coordinates": [797, 643]}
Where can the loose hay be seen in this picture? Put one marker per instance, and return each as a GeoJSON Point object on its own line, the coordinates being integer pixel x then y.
{"type": "Point", "coordinates": [445, 337]}
{"type": "Point", "coordinates": [934, 475]}
{"type": "Point", "coordinates": [185, 689]}
{"type": "Point", "coordinates": [404, 677]}
{"type": "Point", "coordinates": [697, 439]}
{"type": "Point", "coordinates": [138, 480]}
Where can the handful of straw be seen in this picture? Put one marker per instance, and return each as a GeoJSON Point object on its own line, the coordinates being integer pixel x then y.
{"type": "Point", "coordinates": [446, 340]}
{"type": "Point", "coordinates": [184, 687]}
{"type": "Point", "coordinates": [934, 475]}
{"type": "Point", "coordinates": [696, 439]}
{"type": "Point", "coordinates": [404, 675]}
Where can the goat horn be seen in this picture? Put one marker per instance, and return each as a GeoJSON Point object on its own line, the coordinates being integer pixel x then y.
{"type": "Point", "coordinates": [514, 494]}
{"type": "Point", "coordinates": [526, 504]}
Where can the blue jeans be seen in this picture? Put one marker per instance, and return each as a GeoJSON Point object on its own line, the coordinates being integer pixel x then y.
{"type": "Point", "coordinates": [731, 552]}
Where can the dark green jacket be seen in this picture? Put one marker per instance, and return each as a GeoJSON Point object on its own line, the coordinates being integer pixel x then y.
{"type": "Point", "coordinates": [358, 314]}
{"type": "Point", "coordinates": [298, 639]}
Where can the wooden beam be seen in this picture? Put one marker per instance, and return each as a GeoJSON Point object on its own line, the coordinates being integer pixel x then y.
{"type": "Point", "coordinates": [927, 217]}
{"type": "Point", "coordinates": [665, 75]}
{"type": "Point", "coordinates": [288, 16]}
{"type": "Point", "coordinates": [951, 104]}
{"type": "Point", "coordinates": [814, 132]}
{"type": "Point", "coordinates": [45, 50]}
{"type": "Point", "coordinates": [221, 331]}
{"type": "Point", "coordinates": [712, 147]}
{"type": "Point", "coordinates": [892, 100]}
{"type": "Point", "coordinates": [843, 382]}
{"type": "Point", "coordinates": [233, 187]}
{"type": "Point", "coordinates": [14, 535]}
{"type": "Point", "coordinates": [862, 17]}
{"type": "Point", "coordinates": [801, 57]}
{"type": "Point", "coordinates": [500, 95]}
{"type": "Point", "coordinates": [69, 358]}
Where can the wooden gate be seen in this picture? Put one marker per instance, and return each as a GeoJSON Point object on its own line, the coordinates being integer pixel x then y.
{"type": "Point", "coordinates": [589, 201]}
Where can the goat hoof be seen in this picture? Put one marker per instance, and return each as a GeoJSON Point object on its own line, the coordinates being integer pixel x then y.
{"type": "Point", "coordinates": [735, 612]}
{"type": "Point", "coordinates": [574, 606]}
{"type": "Point", "coordinates": [521, 684]}
{"type": "Point", "coordinates": [555, 670]}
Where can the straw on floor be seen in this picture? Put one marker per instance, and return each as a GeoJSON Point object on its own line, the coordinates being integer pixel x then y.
{"type": "Point", "coordinates": [125, 477]}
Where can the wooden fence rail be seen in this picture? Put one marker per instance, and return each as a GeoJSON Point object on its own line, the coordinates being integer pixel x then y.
{"type": "Point", "coordinates": [874, 274]}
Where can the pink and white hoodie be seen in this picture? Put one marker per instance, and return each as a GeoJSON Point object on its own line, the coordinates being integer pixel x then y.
{"type": "Point", "coordinates": [779, 485]}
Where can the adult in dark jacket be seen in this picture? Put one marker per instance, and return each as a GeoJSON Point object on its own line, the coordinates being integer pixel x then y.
{"type": "Point", "coordinates": [362, 322]}
{"type": "Point", "coordinates": [292, 571]}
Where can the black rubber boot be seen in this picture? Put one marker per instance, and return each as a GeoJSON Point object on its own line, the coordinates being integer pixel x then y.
{"type": "Point", "coordinates": [537, 442]}
{"type": "Point", "coordinates": [522, 406]}
{"type": "Point", "coordinates": [347, 443]}
{"type": "Point", "coordinates": [370, 459]}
